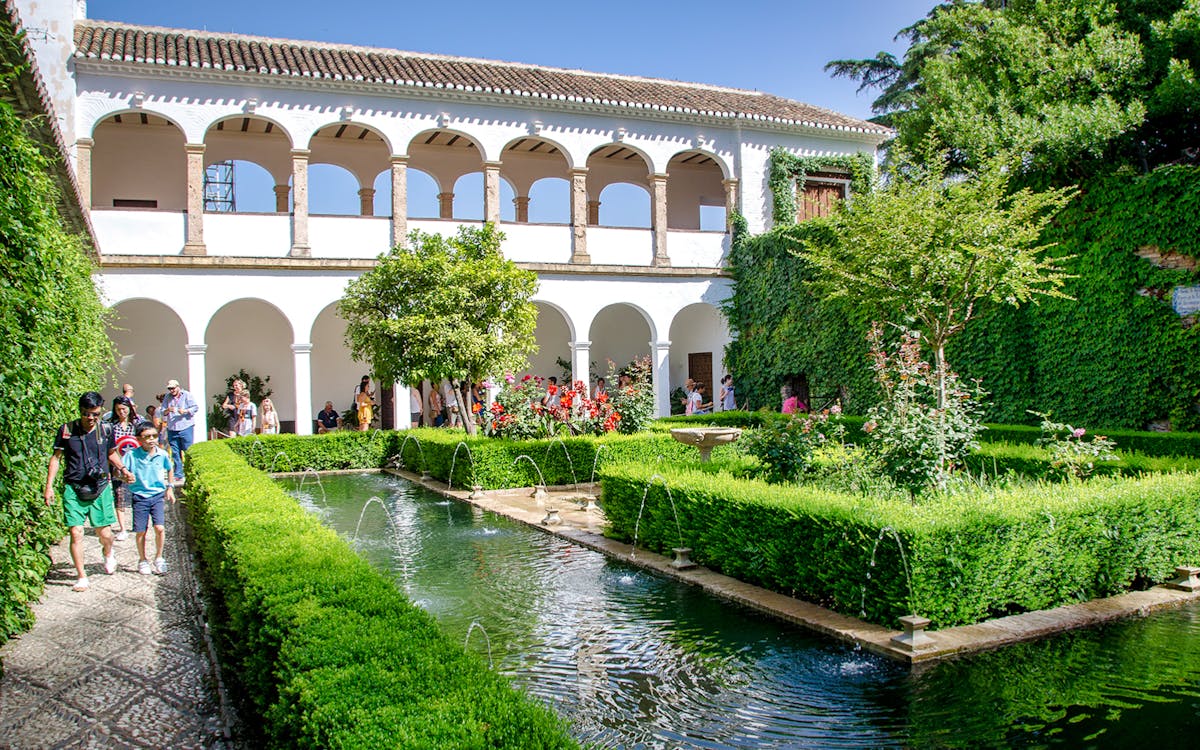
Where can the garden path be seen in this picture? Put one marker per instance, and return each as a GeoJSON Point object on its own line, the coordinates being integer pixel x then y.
{"type": "Point", "coordinates": [124, 664]}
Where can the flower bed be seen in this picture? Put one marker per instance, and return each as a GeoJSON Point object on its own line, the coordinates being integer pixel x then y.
{"type": "Point", "coordinates": [323, 650]}
{"type": "Point", "coordinates": [970, 557]}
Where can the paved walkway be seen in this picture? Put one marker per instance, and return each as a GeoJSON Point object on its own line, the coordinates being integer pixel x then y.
{"type": "Point", "coordinates": [122, 665]}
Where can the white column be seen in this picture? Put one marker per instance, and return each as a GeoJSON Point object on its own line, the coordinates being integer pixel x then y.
{"type": "Point", "coordinates": [661, 351]}
{"type": "Point", "coordinates": [198, 388]}
{"type": "Point", "coordinates": [302, 361]}
{"type": "Point", "coordinates": [401, 400]}
{"type": "Point", "coordinates": [581, 364]}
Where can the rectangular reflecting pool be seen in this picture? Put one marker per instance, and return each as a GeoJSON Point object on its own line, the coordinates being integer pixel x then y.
{"type": "Point", "coordinates": [633, 660]}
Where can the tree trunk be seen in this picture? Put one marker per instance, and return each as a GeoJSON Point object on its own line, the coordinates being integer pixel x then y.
{"type": "Point", "coordinates": [464, 406]}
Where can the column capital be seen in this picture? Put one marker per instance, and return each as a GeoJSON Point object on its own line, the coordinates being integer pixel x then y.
{"type": "Point", "coordinates": [731, 182]}
{"type": "Point", "coordinates": [656, 177]}
{"type": "Point", "coordinates": [660, 346]}
{"type": "Point", "coordinates": [301, 153]}
{"type": "Point", "coordinates": [578, 171]}
{"type": "Point", "coordinates": [193, 148]}
{"type": "Point", "coordinates": [84, 143]}
{"type": "Point", "coordinates": [493, 165]}
{"type": "Point", "coordinates": [399, 160]}
{"type": "Point", "coordinates": [195, 349]}
{"type": "Point", "coordinates": [366, 192]}
{"type": "Point", "coordinates": [580, 346]}
{"type": "Point", "coordinates": [305, 348]}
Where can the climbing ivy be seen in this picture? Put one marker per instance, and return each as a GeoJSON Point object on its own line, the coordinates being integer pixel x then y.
{"type": "Point", "coordinates": [789, 171]}
{"type": "Point", "coordinates": [53, 348]}
{"type": "Point", "coordinates": [1114, 356]}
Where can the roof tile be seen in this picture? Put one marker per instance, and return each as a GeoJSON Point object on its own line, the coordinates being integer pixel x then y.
{"type": "Point", "coordinates": [101, 40]}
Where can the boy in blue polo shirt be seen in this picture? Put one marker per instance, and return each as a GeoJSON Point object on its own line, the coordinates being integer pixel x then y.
{"type": "Point", "coordinates": [151, 469]}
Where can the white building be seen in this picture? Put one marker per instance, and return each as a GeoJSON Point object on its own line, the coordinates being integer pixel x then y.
{"type": "Point", "coordinates": [154, 118]}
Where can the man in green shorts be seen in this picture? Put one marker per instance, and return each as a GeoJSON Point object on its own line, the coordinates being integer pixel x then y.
{"type": "Point", "coordinates": [89, 448]}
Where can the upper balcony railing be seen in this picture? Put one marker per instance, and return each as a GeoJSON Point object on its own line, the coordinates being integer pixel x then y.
{"type": "Point", "coordinates": [156, 232]}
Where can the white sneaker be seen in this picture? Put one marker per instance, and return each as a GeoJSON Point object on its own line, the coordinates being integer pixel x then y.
{"type": "Point", "coordinates": [122, 535]}
{"type": "Point", "coordinates": [144, 568]}
{"type": "Point", "coordinates": [160, 566]}
{"type": "Point", "coordinates": [110, 564]}
{"type": "Point", "coordinates": [82, 584]}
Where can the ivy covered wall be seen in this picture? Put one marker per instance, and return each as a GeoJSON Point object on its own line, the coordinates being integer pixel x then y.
{"type": "Point", "coordinates": [53, 348]}
{"type": "Point", "coordinates": [1115, 356]}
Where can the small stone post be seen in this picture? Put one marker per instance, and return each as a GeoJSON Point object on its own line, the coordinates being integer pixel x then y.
{"type": "Point", "coordinates": [1187, 578]}
{"type": "Point", "coordinates": [914, 638]}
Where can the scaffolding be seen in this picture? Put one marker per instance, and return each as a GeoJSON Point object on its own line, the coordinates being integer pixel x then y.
{"type": "Point", "coordinates": [218, 187]}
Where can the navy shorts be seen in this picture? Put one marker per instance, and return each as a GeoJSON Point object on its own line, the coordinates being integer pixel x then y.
{"type": "Point", "coordinates": [147, 509]}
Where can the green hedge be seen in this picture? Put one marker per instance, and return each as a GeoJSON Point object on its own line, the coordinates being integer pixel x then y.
{"type": "Point", "coordinates": [971, 556]}
{"type": "Point", "coordinates": [52, 349]}
{"type": "Point", "coordinates": [490, 462]}
{"type": "Point", "coordinates": [323, 650]}
{"type": "Point", "coordinates": [1149, 443]}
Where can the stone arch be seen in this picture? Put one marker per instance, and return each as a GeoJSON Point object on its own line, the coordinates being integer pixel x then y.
{"type": "Point", "coordinates": [139, 161]}
{"type": "Point", "coordinates": [550, 201]}
{"type": "Point", "coordinates": [150, 339]}
{"type": "Point", "coordinates": [614, 163]}
{"type": "Point", "coordinates": [554, 334]}
{"type": "Point", "coordinates": [698, 337]}
{"type": "Point", "coordinates": [696, 191]}
{"type": "Point", "coordinates": [253, 188]}
{"type": "Point", "coordinates": [527, 143]}
{"type": "Point", "coordinates": [251, 138]}
{"type": "Point", "coordinates": [423, 190]}
{"type": "Point", "coordinates": [335, 373]}
{"type": "Point", "coordinates": [253, 334]}
{"type": "Point", "coordinates": [332, 190]}
{"type": "Point", "coordinates": [621, 332]}
{"type": "Point", "coordinates": [446, 155]}
{"type": "Point", "coordinates": [348, 128]}
{"type": "Point", "coordinates": [624, 204]}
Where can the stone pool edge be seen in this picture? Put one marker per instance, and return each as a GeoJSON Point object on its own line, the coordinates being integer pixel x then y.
{"type": "Point", "coordinates": [585, 528]}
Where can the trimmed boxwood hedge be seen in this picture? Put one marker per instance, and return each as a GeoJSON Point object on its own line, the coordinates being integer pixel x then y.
{"type": "Point", "coordinates": [970, 557]}
{"type": "Point", "coordinates": [1149, 443]}
{"type": "Point", "coordinates": [490, 462]}
{"type": "Point", "coordinates": [322, 649]}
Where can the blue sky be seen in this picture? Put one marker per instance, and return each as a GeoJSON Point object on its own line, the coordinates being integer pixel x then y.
{"type": "Point", "coordinates": [778, 47]}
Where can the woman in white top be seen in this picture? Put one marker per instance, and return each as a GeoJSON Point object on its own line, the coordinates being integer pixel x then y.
{"type": "Point", "coordinates": [269, 418]}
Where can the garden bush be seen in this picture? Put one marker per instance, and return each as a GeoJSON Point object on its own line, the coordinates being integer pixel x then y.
{"type": "Point", "coordinates": [493, 463]}
{"type": "Point", "coordinates": [324, 651]}
{"type": "Point", "coordinates": [971, 555]}
{"type": "Point", "coordinates": [53, 349]}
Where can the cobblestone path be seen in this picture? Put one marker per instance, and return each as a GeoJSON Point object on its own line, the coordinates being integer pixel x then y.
{"type": "Point", "coordinates": [122, 665]}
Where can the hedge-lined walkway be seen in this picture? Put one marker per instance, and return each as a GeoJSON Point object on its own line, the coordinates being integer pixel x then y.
{"type": "Point", "coordinates": [124, 664]}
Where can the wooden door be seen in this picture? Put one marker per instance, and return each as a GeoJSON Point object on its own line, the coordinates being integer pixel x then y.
{"type": "Point", "coordinates": [700, 370]}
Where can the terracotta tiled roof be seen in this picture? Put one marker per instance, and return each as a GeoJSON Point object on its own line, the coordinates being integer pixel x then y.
{"type": "Point", "coordinates": [160, 47]}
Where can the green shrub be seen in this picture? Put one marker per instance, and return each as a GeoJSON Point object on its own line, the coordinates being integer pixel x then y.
{"type": "Point", "coordinates": [324, 651]}
{"type": "Point", "coordinates": [53, 348]}
{"type": "Point", "coordinates": [493, 463]}
{"type": "Point", "coordinates": [970, 555]}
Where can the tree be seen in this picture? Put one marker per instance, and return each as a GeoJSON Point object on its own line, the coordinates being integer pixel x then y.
{"type": "Point", "coordinates": [923, 250]}
{"type": "Point", "coordinates": [1076, 87]}
{"type": "Point", "coordinates": [443, 308]}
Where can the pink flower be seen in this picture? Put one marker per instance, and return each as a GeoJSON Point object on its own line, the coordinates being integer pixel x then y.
{"type": "Point", "coordinates": [509, 379]}
{"type": "Point", "coordinates": [1079, 432]}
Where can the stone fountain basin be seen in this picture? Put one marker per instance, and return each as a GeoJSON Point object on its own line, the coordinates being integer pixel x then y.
{"type": "Point", "coordinates": [706, 438]}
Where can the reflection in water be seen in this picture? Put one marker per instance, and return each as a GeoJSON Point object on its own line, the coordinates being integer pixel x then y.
{"type": "Point", "coordinates": [637, 661]}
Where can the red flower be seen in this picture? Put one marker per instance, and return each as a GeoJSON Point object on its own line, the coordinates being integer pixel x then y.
{"type": "Point", "coordinates": [552, 389]}
{"type": "Point", "coordinates": [602, 398]}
